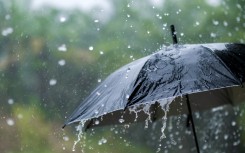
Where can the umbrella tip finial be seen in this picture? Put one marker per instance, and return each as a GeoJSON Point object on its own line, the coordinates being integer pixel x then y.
{"type": "Point", "coordinates": [173, 32]}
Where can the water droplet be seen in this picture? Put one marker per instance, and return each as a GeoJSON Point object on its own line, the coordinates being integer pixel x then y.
{"type": "Point", "coordinates": [98, 93]}
{"type": "Point", "coordinates": [129, 46]}
{"type": "Point", "coordinates": [212, 34]}
{"type": "Point", "coordinates": [101, 52]}
{"type": "Point", "coordinates": [7, 17]}
{"type": "Point", "coordinates": [10, 101]}
{"type": "Point", "coordinates": [7, 31]}
{"type": "Point", "coordinates": [215, 22]}
{"type": "Point", "coordinates": [96, 122]}
{"type": "Point", "coordinates": [96, 21]}
{"type": "Point", "coordinates": [10, 122]}
{"type": "Point", "coordinates": [99, 80]}
{"type": "Point", "coordinates": [91, 48]}
{"type": "Point", "coordinates": [225, 23]}
{"type": "Point", "coordinates": [65, 138]}
{"type": "Point", "coordinates": [62, 19]}
{"type": "Point", "coordinates": [96, 111]}
{"type": "Point", "coordinates": [205, 146]}
{"type": "Point", "coordinates": [121, 120]}
{"type": "Point", "coordinates": [127, 96]}
{"type": "Point", "coordinates": [128, 15]}
{"type": "Point", "coordinates": [181, 34]}
{"type": "Point", "coordinates": [233, 123]}
{"type": "Point", "coordinates": [62, 48]}
{"type": "Point", "coordinates": [102, 141]}
{"type": "Point", "coordinates": [62, 62]}
{"type": "Point", "coordinates": [238, 19]}
{"type": "Point", "coordinates": [226, 136]}
{"type": "Point", "coordinates": [52, 82]}
{"type": "Point", "coordinates": [197, 23]}
{"type": "Point", "coordinates": [20, 116]}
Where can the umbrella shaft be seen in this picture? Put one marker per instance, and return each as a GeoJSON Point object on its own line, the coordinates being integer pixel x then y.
{"type": "Point", "coordinates": [192, 123]}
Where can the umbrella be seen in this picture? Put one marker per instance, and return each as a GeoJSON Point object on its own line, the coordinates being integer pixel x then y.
{"type": "Point", "coordinates": [191, 73]}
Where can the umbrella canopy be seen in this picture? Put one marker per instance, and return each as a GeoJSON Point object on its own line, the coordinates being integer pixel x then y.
{"type": "Point", "coordinates": [202, 71]}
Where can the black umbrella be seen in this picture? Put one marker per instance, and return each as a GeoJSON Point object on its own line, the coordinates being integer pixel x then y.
{"type": "Point", "coordinates": [191, 73]}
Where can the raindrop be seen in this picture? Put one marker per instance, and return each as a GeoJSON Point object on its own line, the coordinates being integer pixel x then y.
{"type": "Point", "coordinates": [205, 146]}
{"type": "Point", "coordinates": [91, 48]}
{"type": "Point", "coordinates": [52, 82]}
{"type": "Point", "coordinates": [101, 52]}
{"type": "Point", "coordinates": [97, 122]}
{"type": "Point", "coordinates": [197, 23]}
{"type": "Point", "coordinates": [128, 15]}
{"type": "Point", "coordinates": [62, 62]}
{"type": "Point", "coordinates": [225, 23]}
{"type": "Point", "coordinates": [10, 101]}
{"type": "Point", "coordinates": [239, 6]}
{"type": "Point", "coordinates": [7, 31]}
{"type": "Point", "coordinates": [65, 138]}
{"type": "Point", "coordinates": [62, 19]}
{"type": "Point", "coordinates": [10, 122]}
{"type": "Point", "coordinates": [236, 143]}
{"type": "Point", "coordinates": [215, 22]}
{"type": "Point", "coordinates": [127, 96]}
{"type": "Point", "coordinates": [129, 46]}
{"type": "Point", "coordinates": [238, 19]}
{"type": "Point", "coordinates": [148, 32]}
{"type": "Point", "coordinates": [121, 120]}
{"type": "Point", "coordinates": [96, 21]}
{"type": "Point", "coordinates": [181, 34]}
{"type": "Point", "coordinates": [102, 141]}
{"type": "Point", "coordinates": [226, 136]}
{"type": "Point", "coordinates": [233, 123]}
{"type": "Point", "coordinates": [96, 111]}
{"type": "Point", "coordinates": [131, 56]}
{"type": "Point", "coordinates": [98, 93]}
{"type": "Point", "coordinates": [20, 116]}
{"type": "Point", "coordinates": [7, 17]}
{"type": "Point", "coordinates": [212, 34]}
{"type": "Point", "coordinates": [99, 80]}
{"type": "Point", "coordinates": [62, 48]}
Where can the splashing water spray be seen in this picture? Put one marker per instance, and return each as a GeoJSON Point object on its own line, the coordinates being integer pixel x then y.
{"type": "Point", "coordinates": [80, 136]}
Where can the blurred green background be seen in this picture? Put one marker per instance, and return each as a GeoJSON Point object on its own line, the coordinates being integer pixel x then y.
{"type": "Point", "coordinates": [52, 54]}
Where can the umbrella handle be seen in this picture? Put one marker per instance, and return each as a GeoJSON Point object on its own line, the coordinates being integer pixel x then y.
{"type": "Point", "coordinates": [174, 36]}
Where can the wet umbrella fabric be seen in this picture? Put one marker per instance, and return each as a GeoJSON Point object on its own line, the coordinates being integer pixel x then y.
{"type": "Point", "coordinates": [203, 71]}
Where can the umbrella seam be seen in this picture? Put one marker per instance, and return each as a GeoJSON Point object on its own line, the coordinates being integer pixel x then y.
{"type": "Point", "coordinates": [217, 57]}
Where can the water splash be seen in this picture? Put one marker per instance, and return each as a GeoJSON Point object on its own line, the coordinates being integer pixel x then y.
{"type": "Point", "coordinates": [135, 109]}
{"type": "Point", "coordinates": [165, 103]}
{"type": "Point", "coordinates": [146, 110]}
{"type": "Point", "coordinates": [165, 107]}
{"type": "Point", "coordinates": [80, 136]}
